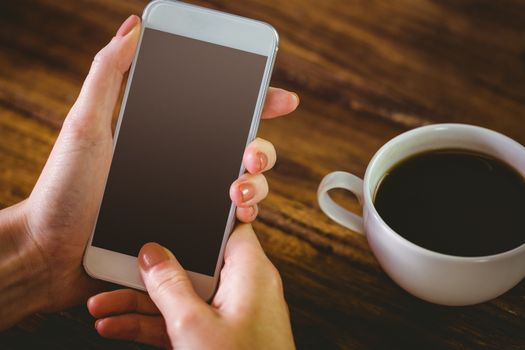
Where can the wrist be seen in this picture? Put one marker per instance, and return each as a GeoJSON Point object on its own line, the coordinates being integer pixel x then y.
{"type": "Point", "coordinates": [22, 269]}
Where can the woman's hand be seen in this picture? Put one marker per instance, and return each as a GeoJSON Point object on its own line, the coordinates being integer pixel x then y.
{"type": "Point", "coordinates": [248, 311]}
{"type": "Point", "coordinates": [43, 238]}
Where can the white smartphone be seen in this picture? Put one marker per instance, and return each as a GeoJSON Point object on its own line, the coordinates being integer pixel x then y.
{"type": "Point", "coordinates": [192, 103]}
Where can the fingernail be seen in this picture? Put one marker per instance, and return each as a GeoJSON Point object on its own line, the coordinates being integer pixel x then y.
{"type": "Point", "coordinates": [152, 254]}
{"type": "Point", "coordinates": [247, 191]}
{"type": "Point", "coordinates": [96, 324]}
{"type": "Point", "coordinates": [263, 160]}
{"type": "Point", "coordinates": [127, 26]}
{"type": "Point", "coordinates": [252, 211]}
{"type": "Point", "coordinates": [296, 98]}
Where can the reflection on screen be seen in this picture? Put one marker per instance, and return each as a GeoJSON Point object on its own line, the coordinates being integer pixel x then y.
{"type": "Point", "coordinates": [179, 148]}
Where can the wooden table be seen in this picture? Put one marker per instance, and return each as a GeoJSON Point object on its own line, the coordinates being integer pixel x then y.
{"type": "Point", "coordinates": [366, 71]}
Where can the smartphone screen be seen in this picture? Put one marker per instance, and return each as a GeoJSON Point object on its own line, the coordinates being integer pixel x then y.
{"type": "Point", "coordinates": [180, 144]}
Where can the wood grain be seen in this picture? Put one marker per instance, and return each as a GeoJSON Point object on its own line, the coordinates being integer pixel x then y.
{"type": "Point", "coordinates": [366, 71]}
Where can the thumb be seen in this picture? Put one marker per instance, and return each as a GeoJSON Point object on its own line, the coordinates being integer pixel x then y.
{"type": "Point", "coordinates": [93, 110]}
{"type": "Point", "coordinates": [168, 284]}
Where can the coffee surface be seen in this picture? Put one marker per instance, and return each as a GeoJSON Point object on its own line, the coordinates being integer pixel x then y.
{"type": "Point", "coordinates": [454, 202]}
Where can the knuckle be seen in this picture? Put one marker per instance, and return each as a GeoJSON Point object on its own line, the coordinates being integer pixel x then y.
{"type": "Point", "coordinates": [169, 280]}
{"type": "Point", "coordinates": [263, 184]}
{"type": "Point", "coordinates": [76, 125]}
{"type": "Point", "coordinates": [132, 299]}
{"type": "Point", "coordinates": [187, 320]}
{"type": "Point", "coordinates": [274, 279]}
{"type": "Point", "coordinates": [83, 130]}
{"type": "Point", "coordinates": [101, 59]}
{"type": "Point", "coordinates": [108, 61]}
{"type": "Point", "coordinates": [101, 62]}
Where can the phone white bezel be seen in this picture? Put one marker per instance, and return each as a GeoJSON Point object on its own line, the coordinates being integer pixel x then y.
{"type": "Point", "coordinates": [206, 25]}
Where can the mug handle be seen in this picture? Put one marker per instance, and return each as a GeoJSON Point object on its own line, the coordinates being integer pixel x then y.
{"type": "Point", "coordinates": [349, 182]}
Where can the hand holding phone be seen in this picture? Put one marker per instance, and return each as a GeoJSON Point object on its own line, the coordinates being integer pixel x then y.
{"type": "Point", "coordinates": [53, 225]}
{"type": "Point", "coordinates": [248, 311]}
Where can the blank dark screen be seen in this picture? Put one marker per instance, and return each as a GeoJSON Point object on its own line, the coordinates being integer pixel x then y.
{"type": "Point", "coordinates": [179, 148]}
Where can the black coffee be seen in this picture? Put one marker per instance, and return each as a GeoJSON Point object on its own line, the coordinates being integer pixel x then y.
{"type": "Point", "coordinates": [455, 202]}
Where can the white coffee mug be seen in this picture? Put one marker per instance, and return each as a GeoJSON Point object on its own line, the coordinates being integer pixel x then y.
{"type": "Point", "coordinates": [432, 276]}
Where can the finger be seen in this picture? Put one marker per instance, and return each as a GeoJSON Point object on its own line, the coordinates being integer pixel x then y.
{"type": "Point", "coordinates": [144, 329]}
{"type": "Point", "coordinates": [247, 214]}
{"type": "Point", "coordinates": [243, 244]}
{"type": "Point", "coordinates": [93, 110]}
{"type": "Point", "coordinates": [279, 102]}
{"type": "Point", "coordinates": [249, 190]}
{"type": "Point", "coordinates": [121, 301]}
{"type": "Point", "coordinates": [259, 156]}
{"type": "Point", "coordinates": [248, 278]}
{"type": "Point", "coordinates": [169, 285]}
{"type": "Point", "coordinates": [250, 285]}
